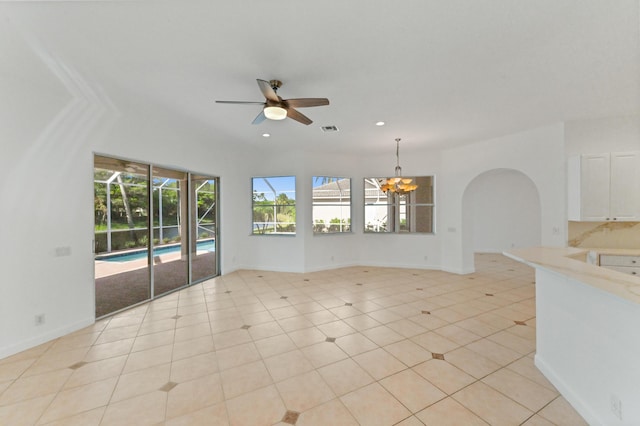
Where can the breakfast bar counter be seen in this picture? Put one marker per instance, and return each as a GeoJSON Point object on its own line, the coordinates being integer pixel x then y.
{"type": "Point", "coordinates": [572, 262]}
{"type": "Point", "coordinates": [587, 332]}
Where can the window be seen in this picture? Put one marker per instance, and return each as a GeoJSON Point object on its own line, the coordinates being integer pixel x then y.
{"type": "Point", "coordinates": [331, 204]}
{"type": "Point", "coordinates": [274, 205]}
{"type": "Point", "coordinates": [407, 213]}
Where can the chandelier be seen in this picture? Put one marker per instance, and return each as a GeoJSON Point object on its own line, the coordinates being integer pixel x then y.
{"type": "Point", "coordinates": [398, 184]}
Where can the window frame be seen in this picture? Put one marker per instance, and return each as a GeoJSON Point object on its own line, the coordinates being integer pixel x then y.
{"type": "Point", "coordinates": [398, 207]}
{"type": "Point", "coordinates": [291, 206]}
{"type": "Point", "coordinates": [328, 228]}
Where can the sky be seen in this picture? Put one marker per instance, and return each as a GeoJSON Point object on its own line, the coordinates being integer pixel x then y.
{"type": "Point", "coordinates": [280, 184]}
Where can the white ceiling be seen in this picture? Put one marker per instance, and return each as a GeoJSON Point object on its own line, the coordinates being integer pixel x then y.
{"type": "Point", "coordinates": [438, 72]}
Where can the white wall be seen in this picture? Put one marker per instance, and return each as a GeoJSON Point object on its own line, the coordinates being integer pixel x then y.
{"type": "Point", "coordinates": [305, 251]}
{"type": "Point", "coordinates": [537, 153]}
{"type": "Point", "coordinates": [270, 252]}
{"type": "Point", "coordinates": [506, 211]}
{"type": "Point", "coordinates": [596, 136]}
{"type": "Point", "coordinates": [331, 250]}
{"type": "Point", "coordinates": [410, 251]}
{"type": "Point", "coordinates": [53, 122]}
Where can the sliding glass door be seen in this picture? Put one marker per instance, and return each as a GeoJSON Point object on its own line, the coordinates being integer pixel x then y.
{"type": "Point", "coordinates": [140, 256]}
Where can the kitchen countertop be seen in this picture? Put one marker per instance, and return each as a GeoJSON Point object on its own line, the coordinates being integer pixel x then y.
{"type": "Point", "coordinates": [570, 261]}
{"type": "Point", "coordinates": [622, 252]}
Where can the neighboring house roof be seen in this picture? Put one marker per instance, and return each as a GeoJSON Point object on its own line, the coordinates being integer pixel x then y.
{"type": "Point", "coordinates": [336, 190]}
{"type": "Point", "coordinates": [333, 190]}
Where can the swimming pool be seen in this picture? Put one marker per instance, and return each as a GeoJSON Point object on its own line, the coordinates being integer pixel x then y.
{"type": "Point", "coordinates": [207, 245]}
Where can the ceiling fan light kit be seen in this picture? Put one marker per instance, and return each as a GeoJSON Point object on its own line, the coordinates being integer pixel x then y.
{"type": "Point", "coordinates": [275, 112]}
{"type": "Point", "coordinates": [276, 108]}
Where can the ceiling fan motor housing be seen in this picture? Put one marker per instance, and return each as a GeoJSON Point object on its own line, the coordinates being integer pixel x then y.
{"type": "Point", "coordinates": [275, 84]}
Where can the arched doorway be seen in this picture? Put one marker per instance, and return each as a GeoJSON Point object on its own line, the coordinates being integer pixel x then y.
{"type": "Point", "coordinates": [500, 210]}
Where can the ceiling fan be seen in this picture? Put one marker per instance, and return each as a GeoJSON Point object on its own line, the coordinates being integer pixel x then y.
{"type": "Point", "coordinates": [276, 108]}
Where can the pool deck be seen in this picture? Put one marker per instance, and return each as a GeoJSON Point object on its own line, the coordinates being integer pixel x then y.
{"type": "Point", "coordinates": [105, 268]}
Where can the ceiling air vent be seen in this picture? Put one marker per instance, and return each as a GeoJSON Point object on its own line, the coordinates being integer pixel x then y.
{"type": "Point", "coordinates": [329, 129]}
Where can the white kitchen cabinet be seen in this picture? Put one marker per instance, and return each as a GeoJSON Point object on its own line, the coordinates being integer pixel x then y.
{"type": "Point", "coordinates": [604, 187]}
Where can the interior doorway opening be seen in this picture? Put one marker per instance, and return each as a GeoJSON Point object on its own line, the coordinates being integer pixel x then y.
{"type": "Point", "coordinates": [501, 210]}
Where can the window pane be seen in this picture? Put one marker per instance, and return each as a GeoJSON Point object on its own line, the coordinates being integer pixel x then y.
{"type": "Point", "coordinates": [331, 204]}
{"type": "Point", "coordinates": [170, 230]}
{"type": "Point", "coordinates": [424, 192]}
{"type": "Point", "coordinates": [203, 227]}
{"type": "Point", "coordinates": [376, 218]}
{"type": "Point", "coordinates": [422, 219]}
{"type": "Point", "coordinates": [274, 205]}
{"type": "Point", "coordinates": [378, 208]}
{"type": "Point", "coordinates": [121, 234]}
{"type": "Point", "coordinates": [331, 219]}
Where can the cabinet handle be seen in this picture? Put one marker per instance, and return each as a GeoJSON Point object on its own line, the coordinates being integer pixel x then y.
{"type": "Point", "coordinates": [634, 273]}
{"type": "Point", "coordinates": [633, 261]}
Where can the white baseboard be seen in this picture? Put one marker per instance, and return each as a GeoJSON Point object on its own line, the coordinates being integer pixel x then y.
{"type": "Point", "coordinates": [568, 393]}
{"type": "Point", "coordinates": [45, 337]}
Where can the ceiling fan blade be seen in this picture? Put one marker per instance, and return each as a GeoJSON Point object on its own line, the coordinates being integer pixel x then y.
{"type": "Point", "coordinates": [306, 102]}
{"type": "Point", "coordinates": [240, 102]}
{"type": "Point", "coordinates": [260, 118]}
{"type": "Point", "coordinates": [299, 117]}
{"type": "Point", "coordinates": [267, 90]}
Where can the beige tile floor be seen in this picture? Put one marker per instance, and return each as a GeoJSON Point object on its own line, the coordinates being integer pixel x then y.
{"type": "Point", "coordinates": [352, 346]}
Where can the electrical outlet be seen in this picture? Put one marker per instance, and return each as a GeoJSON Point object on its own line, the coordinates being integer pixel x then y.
{"type": "Point", "coordinates": [616, 406]}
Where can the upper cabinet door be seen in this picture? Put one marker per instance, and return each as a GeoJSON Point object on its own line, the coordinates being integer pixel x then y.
{"type": "Point", "coordinates": [604, 187]}
{"type": "Point", "coordinates": [594, 187]}
{"type": "Point", "coordinates": [625, 186]}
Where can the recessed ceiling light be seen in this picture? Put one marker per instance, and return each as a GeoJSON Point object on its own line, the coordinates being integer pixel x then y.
{"type": "Point", "coordinates": [380, 123]}
{"type": "Point", "coordinates": [266, 135]}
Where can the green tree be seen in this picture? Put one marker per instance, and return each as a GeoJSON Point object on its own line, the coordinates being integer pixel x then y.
{"type": "Point", "coordinates": [263, 212]}
{"type": "Point", "coordinates": [286, 213]}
